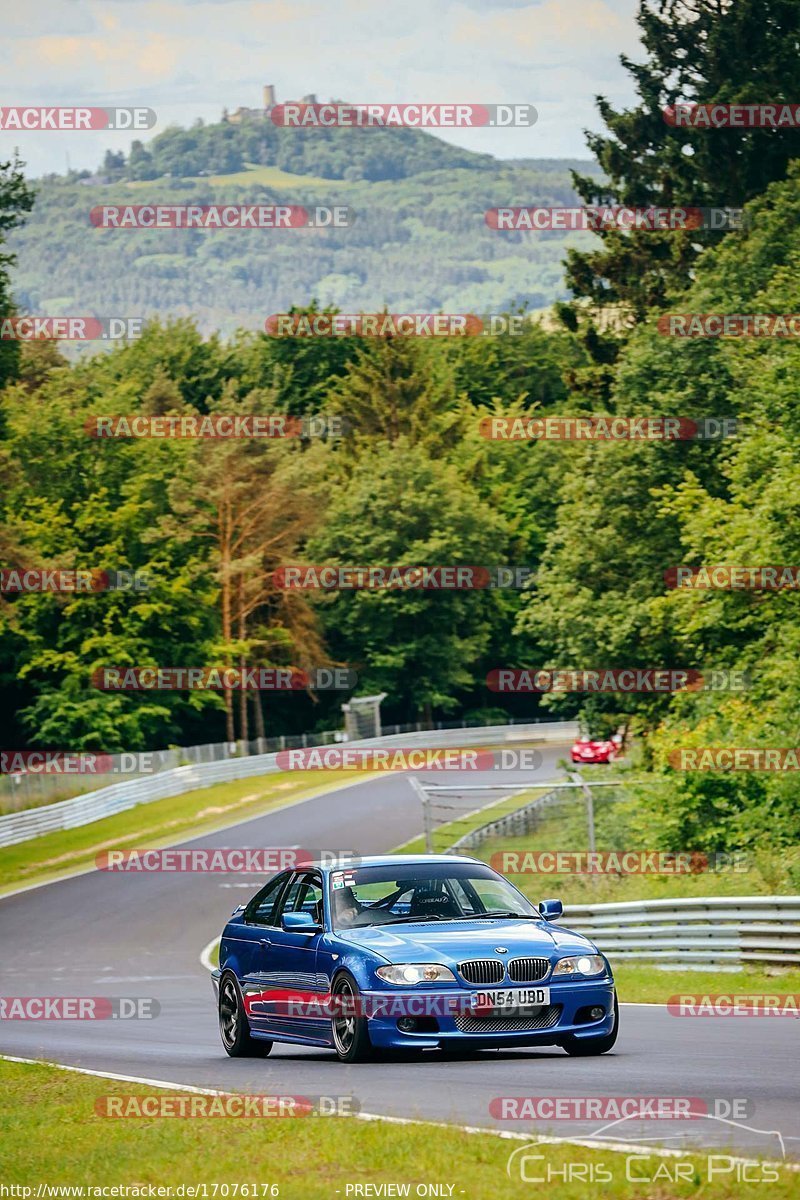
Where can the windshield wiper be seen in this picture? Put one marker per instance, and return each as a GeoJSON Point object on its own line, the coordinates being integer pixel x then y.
{"type": "Point", "coordinates": [423, 917]}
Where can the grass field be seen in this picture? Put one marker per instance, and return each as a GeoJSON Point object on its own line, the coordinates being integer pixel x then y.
{"type": "Point", "coordinates": [271, 177]}
{"type": "Point", "coordinates": [50, 1134]}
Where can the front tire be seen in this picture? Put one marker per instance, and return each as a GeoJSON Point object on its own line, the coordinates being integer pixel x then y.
{"type": "Point", "coordinates": [349, 1028]}
{"type": "Point", "coordinates": [585, 1047]}
{"type": "Point", "coordinates": [234, 1028]}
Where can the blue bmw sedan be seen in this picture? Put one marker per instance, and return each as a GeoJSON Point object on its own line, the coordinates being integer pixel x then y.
{"type": "Point", "coordinates": [397, 952]}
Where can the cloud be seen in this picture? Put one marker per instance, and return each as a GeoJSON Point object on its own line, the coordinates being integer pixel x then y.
{"type": "Point", "coordinates": [191, 58]}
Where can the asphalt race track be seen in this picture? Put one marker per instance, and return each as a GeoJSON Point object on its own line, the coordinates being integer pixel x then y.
{"type": "Point", "coordinates": [141, 935]}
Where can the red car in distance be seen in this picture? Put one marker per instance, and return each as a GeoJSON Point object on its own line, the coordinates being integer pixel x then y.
{"type": "Point", "coordinates": [585, 750]}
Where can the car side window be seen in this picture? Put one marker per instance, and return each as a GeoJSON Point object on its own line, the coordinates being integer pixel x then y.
{"type": "Point", "coordinates": [261, 909]}
{"type": "Point", "coordinates": [304, 895]}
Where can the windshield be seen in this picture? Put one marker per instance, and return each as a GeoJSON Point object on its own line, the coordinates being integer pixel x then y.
{"type": "Point", "coordinates": [439, 892]}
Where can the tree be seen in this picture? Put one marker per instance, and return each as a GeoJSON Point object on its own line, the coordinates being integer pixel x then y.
{"type": "Point", "coordinates": [240, 500]}
{"type": "Point", "coordinates": [627, 512]}
{"type": "Point", "coordinates": [403, 506]}
{"type": "Point", "coordinates": [697, 51]}
{"type": "Point", "coordinates": [399, 387]}
{"type": "Point", "coordinates": [16, 199]}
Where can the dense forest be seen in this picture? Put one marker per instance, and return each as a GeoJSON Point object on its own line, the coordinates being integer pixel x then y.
{"type": "Point", "coordinates": [413, 480]}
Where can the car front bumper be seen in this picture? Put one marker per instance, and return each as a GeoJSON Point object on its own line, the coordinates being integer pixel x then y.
{"type": "Point", "coordinates": [454, 1024]}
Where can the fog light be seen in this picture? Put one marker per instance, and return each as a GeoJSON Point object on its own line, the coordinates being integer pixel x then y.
{"type": "Point", "coordinates": [406, 1024]}
{"type": "Point", "coordinates": [597, 1013]}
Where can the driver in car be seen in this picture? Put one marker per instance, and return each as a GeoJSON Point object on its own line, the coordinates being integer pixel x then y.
{"type": "Point", "coordinates": [346, 908]}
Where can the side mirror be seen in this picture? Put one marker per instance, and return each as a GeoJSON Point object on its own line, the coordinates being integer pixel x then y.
{"type": "Point", "coordinates": [551, 909]}
{"type": "Point", "coordinates": [299, 922]}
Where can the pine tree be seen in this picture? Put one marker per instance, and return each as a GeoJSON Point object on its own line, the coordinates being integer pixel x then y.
{"type": "Point", "coordinates": [697, 52]}
{"type": "Point", "coordinates": [16, 199]}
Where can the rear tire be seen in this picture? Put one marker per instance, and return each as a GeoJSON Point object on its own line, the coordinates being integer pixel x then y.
{"type": "Point", "coordinates": [348, 1027]}
{"type": "Point", "coordinates": [234, 1028]}
{"type": "Point", "coordinates": [584, 1047]}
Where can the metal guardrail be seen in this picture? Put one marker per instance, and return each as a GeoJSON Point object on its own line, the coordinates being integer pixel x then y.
{"type": "Point", "coordinates": [117, 797]}
{"type": "Point", "coordinates": [701, 930]}
{"type": "Point", "coordinates": [30, 789]}
{"type": "Point", "coordinates": [696, 931]}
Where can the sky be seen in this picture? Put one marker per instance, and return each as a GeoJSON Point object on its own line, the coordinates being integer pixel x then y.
{"type": "Point", "coordinates": [189, 59]}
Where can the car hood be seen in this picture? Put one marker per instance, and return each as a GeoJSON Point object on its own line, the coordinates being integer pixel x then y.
{"type": "Point", "coordinates": [449, 942]}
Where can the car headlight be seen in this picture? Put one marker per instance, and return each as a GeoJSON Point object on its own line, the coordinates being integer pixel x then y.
{"type": "Point", "coordinates": [406, 973]}
{"type": "Point", "coordinates": [583, 964]}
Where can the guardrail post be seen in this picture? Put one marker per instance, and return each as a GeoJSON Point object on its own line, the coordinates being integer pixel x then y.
{"type": "Point", "coordinates": [426, 813]}
{"type": "Point", "coordinates": [589, 807]}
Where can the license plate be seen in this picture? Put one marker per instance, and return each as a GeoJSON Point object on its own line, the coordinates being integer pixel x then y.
{"type": "Point", "coordinates": [512, 998]}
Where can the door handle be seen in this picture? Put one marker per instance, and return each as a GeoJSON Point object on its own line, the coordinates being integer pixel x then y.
{"type": "Point", "coordinates": [264, 941]}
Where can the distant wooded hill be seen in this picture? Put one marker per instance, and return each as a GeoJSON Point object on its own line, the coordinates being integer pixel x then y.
{"type": "Point", "coordinates": [419, 243]}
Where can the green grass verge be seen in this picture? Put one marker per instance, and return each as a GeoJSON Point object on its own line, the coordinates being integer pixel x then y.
{"type": "Point", "coordinates": [766, 873]}
{"type": "Point", "coordinates": [443, 836]}
{"type": "Point", "coordinates": [162, 823]}
{"type": "Point", "coordinates": [50, 1134]}
{"type": "Point", "coordinates": [645, 983]}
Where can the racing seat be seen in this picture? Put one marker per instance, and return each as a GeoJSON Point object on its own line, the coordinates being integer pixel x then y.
{"type": "Point", "coordinates": [432, 899]}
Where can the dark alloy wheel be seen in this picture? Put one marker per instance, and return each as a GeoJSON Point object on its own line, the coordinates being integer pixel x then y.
{"type": "Point", "coordinates": [349, 1028]}
{"type": "Point", "coordinates": [233, 1025]}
